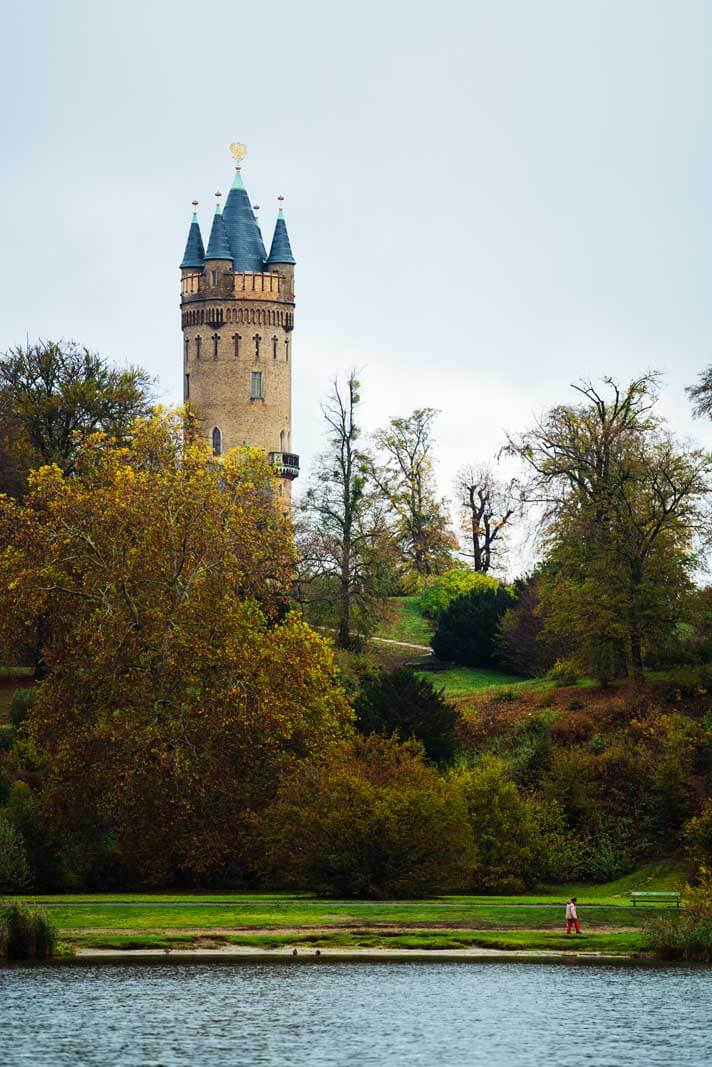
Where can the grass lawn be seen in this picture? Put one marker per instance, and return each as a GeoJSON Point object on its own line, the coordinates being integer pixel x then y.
{"type": "Point", "coordinates": [405, 623]}
{"type": "Point", "coordinates": [532, 940]}
{"type": "Point", "coordinates": [297, 915]}
{"type": "Point", "coordinates": [533, 921]}
{"type": "Point", "coordinates": [462, 681]}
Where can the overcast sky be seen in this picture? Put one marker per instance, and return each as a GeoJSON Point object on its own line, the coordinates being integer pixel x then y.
{"type": "Point", "coordinates": [486, 200]}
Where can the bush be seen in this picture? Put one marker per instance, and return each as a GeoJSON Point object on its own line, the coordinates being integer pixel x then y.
{"type": "Point", "coordinates": [374, 822]}
{"type": "Point", "coordinates": [574, 704]}
{"type": "Point", "coordinates": [687, 935]}
{"type": "Point", "coordinates": [685, 683]}
{"type": "Point", "coordinates": [439, 592]}
{"type": "Point", "coordinates": [26, 933]}
{"type": "Point", "coordinates": [401, 702]}
{"type": "Point", "coordinates": [507, 696]}
{"type": "Point", "coordinates": [564, 672]}
{"type": "Point", "coordinates": [22, 701]}
{"type": "Point", "coordinates": [15, 874]}
{"type": "Point", "coordinates": [467, 630]}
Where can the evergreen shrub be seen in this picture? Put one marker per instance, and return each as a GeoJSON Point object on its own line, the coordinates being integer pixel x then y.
{"type": "Point", "coordinates": [401, 702]}
{"type": "Point", "coordinates": [467, 629]}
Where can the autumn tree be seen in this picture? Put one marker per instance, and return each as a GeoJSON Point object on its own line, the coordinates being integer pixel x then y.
{"type": "Point", "coordinates": [406, 477]}
{"type": "Point", "coordinates": [54, 394]}
{"type": "Point", "coordinates": [176, 689]}
{"type": "Point", "coordinates": [345, 544]}
{"type": "Point", "coordinates": [487, 507]}
{"type": "Point", "coordinates": [621, 504]}
{"type": "Point", "coordinates": [375, 821]}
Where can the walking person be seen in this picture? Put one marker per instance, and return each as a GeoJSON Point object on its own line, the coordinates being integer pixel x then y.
{"type": "Point", "coordinates": [572, 921]}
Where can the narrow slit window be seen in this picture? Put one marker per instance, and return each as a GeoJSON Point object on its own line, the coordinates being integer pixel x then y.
{"type": "Point", "coordinates": [217, 442]}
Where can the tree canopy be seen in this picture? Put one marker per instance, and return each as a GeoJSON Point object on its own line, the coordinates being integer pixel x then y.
{"type": "Point", "coordinates": [622, 503]}
{"type": "Point", "coordinates": [52, 396]}
{"type": "Point", "coordinates": [175, 688]}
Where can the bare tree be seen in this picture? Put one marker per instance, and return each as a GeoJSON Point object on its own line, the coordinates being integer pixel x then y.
{"type": "Point", "coordinates": [488, 506]}
{"type": "Point", "coordinates": [701, 395]}
{"type": "Point", "coordinates": [341, 524]}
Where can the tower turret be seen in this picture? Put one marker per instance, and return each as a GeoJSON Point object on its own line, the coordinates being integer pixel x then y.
{"type": "Point", "coordinates": [218, 245]}
{"type": "Point", "coordinates": [194, 255]}
{"type": "Point", "coordinates": [237, 311]}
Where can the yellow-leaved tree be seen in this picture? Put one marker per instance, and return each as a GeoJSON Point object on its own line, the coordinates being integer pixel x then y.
{"type": "Point", "coordinates": [177, 688]}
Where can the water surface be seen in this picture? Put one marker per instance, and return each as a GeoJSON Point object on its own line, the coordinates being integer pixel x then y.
{"type": "Point", "coordinates": [362, 1013]}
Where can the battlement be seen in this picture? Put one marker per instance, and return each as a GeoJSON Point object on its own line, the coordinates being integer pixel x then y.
{"type": "Point", "coordinates": [246, 285]}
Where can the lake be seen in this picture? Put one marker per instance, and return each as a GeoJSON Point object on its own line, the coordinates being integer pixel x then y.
{"type": "Point", "coordinates": [362, 1013]}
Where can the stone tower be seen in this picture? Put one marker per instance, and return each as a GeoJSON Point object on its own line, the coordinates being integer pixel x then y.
{"type": "Point", "coordinates": [237, 316]}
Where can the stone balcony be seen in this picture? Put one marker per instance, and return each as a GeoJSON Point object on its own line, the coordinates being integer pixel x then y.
{"type": "Point", "coordinates": [286, 464]}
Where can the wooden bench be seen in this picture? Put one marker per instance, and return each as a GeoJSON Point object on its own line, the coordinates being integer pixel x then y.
{"type": "Point", "coordinates": [652, 898]}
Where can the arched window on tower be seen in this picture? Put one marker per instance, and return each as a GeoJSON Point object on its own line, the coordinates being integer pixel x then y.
{"type": "Point", "coordinates": [216, 341]}
{"type": "Point", "coordinates": [186, 349]}
{"type": "Point", "coordinates": [274, 347]}
{"type": "Point", "coordinates": [236, 343]}
{"type": "Point", "coordinates": [286, 350]}
{"type": "Point", "coordinates": [217, 442]}
{"type": "Point", "coordinates": [198, 344]}
{"type": "Point", "coordinates": [257, 340]}
{"type": "Point", "coordinates": [281, 441]}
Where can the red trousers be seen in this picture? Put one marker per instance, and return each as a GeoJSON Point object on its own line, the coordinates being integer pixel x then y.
{"type": "Point", "coordinates": [571, 923]}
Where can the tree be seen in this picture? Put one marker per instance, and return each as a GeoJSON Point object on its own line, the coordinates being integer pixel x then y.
{"type": "Point", "coordinates": [503, 826]}
{"type": "Point", "coordinates": [467, 629]}
{"type": "Point", "coordinates": [487, 509]}
{"type": "Point", "coordinates": [701, 394]}
{"type": "Point", "coordinates": [176, 689]}
{"type": "Point", "coordinates": [52, 396]}
{"type": "Point", "coordinates": [622, 502]}
{"type": "Point", "coordinates": [344, 540]}
{"type": "Point", "coordinates": [365, 825]}
{"type": "Point", "coordinates": [523, 646]}
{"type": "Point", "coordinates": [401, 702]}
{"type": "Point", "coordinates": [406, 478]}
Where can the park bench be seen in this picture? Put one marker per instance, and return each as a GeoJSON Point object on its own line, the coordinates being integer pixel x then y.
{"type": "Point", "coordinates": [652, 898]}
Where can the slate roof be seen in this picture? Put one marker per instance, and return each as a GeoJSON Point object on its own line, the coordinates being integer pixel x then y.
{"type": "Point", "coordinates": [281, 250]}
{"type": "Point", "coordinates": [194, 255]}
{"type": "Point", "coordinates": [218, 245]}
{"type": "Point", "coordinates": [243, 233]}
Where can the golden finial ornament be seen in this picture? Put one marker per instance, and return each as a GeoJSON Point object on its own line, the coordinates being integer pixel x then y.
{"type": "Point", "coordinates": [238, 151]}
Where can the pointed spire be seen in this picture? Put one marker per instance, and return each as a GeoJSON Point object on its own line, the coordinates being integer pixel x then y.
{"type": "Point", "coordinates": [194, 255]}
{"type": "Point", "coordinates": [218, 245]}
{"type": "Point", "coordinates": [243, 233]}
{"type": "Point", "coordinates": [281, 250]}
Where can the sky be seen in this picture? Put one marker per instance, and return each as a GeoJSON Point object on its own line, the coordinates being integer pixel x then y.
{"type": "Point", "coordinates": [486, 201]}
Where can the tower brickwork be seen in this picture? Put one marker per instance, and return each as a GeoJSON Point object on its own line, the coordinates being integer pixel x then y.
{"type": "Point", "coordinates": [237, 317]}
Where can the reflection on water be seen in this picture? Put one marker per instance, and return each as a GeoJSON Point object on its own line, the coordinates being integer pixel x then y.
{"type": "Point", "coordinates": [364, 1013]}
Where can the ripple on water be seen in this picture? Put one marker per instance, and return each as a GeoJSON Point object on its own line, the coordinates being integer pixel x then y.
{"type": "Point", "coordinates": [365, 1013]}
